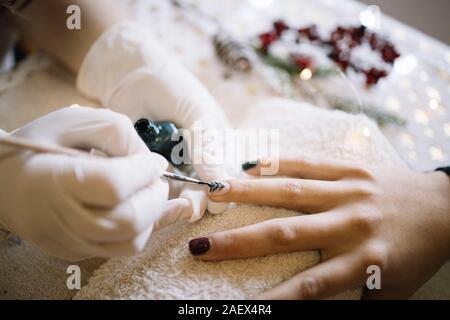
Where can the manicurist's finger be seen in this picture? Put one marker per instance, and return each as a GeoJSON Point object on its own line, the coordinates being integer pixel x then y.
{"type": "Point", "coordinates": [269, 237]}
{"type": "Point", "coordinates": [197, 198]}
{"type": "Point", "coordinates": [321, 281]}
{"type": "Point", "coordinates": [174, 211]}
{"type": "Point", "coordinates": [297, 194]}
{"type": "Point", "coordinates": [129, 218]}
{"type": "Point", "coordinates": [106, 182]}
{"type": "Point", "coordinates": [101, 129]}
{"type": "Point", "coordinates": [128, 247]}
{"type": "Point", "coordinates": [308, 168]}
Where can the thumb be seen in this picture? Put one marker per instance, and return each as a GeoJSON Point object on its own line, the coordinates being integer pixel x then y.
{"type": "Point", "coordinates": [175, 210]}
{"type": "Point", "coordinates": [198, 199]}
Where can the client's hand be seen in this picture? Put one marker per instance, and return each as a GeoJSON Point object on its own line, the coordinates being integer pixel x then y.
{"type": "Point", "coordinates": [390, 217]}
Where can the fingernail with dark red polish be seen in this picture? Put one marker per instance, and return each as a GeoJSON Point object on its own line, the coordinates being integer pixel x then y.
{"type": "Point", "coordinates": [248, 165]}
{"type": "Point", "coordinates": [199, 246]}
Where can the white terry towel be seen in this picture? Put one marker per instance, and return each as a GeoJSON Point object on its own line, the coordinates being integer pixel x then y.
{"type": "Point", "coordinates": [167, 271]}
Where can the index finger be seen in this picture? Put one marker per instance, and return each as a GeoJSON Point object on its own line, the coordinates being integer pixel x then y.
{"type": "Point", "coordinates": [297, 194]}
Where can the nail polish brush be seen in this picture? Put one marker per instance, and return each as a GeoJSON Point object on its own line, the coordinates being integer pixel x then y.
{"type": "Point", "coordinates": [213, 185]}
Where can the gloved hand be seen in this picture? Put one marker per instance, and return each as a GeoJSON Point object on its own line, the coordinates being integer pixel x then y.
{"type": "Point", "coordinates": [128, 71]}
{"type": "Point", "coordinates": [74, 207]}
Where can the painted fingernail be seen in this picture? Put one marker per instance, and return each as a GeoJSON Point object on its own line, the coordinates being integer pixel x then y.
{"type": "Point", "coordinates": [222, 189]}
{"type": "Point", "coordinates": [199, 246]}
{"type": "Point", "coordinates": [248, 165]}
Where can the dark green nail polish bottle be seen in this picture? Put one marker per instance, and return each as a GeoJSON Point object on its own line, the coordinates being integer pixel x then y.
{"type": "Point", "coordinates": [157, 135]}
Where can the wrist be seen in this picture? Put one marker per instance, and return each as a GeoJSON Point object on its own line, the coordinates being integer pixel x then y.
{"type": "Point", "coordinates": [121, 49]}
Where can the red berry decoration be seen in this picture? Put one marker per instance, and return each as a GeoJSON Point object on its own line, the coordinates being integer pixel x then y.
{"type": "Point", "coordinates": [309, 32]}
{"type": "Point", "coordinates": [357, 33]}
{"type": "Point", "coordinates": [280, 26]}
{"type": "Point", "coordinates": [373, 41]}
{"type": "Point", "coordinates": [341, 58]}
{"type": "Point", "coordinates": [389, 54]}
{"type": "Point", "coordinates": [341, 42]}
{"type": "Point", "coordinates": [267, 39]}
{"type": "Point", "coordinates": [373, 75]}
{"type": "Point", "coordinates": [302, 61]}
{"type": "Point", "coordinates": [337, 35]}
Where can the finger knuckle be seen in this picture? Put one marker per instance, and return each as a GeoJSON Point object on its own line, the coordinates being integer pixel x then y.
{"type": "Point", "coordinates": [376, 253]}
{"type": "Point", "coordinates": [361, 172]}
{"type": "Point", "coordinates": [243, 188]}
{"type": "Point", "coordinates": [228, 245]}
{"type": "Point", "coordinates": [364, 190]}
{"type": "Point", "coordinates": [117, 118]}
{"type": "Point", "coordinates": [129, 223]}
{"type": "Point", "coordinates": [366, 223]}
{"type": "Point", "coordinates": [292, 190]}
{"type": "Point", "coordinates": [281, 233]}
{"type": "Point", "coordinates": [309, 288]}
{"type": "Point", "coordinates": [118, 123]}
{"type": "Point", "coordinates": [108, 183]}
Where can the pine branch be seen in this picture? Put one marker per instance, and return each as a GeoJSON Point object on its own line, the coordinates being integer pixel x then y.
{"type": "Point", "coordinates": [291, 68]}
{"type": "Point", "coordinates": [382, 117]}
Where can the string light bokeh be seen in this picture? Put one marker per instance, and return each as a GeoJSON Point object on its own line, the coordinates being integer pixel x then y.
{"type": "Point", "coordinates": [418, 88]}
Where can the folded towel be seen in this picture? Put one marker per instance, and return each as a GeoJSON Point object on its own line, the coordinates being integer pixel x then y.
{"type": "Point", "coordinates": [166, 270]}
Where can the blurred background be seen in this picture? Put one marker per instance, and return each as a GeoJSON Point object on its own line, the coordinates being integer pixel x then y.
{"type": "Point", "coordinates": [429, 16]}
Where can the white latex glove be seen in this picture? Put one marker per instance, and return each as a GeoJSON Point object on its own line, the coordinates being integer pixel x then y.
{"type": "Point", "coordinates": [74, 207]}
{"type": "Point", "coordinates": [128, 71]}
